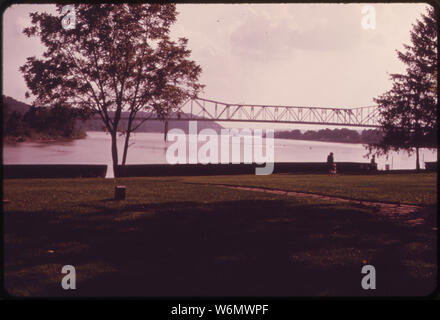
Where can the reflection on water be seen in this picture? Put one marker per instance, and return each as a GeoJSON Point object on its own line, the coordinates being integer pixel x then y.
{"type": "Point", "coordinates": [149, 148]}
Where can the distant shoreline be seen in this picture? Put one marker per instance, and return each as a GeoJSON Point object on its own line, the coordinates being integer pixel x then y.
{"type": "Point", "coordinates": [326, 141]}
{"type": "Point", "coordinates": [12, 140]}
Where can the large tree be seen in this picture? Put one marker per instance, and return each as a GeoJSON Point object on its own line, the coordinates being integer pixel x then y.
{"type": "Point", "coordinates": [409, 110]}
{"type": "Point", "coordinates": [117, 59]}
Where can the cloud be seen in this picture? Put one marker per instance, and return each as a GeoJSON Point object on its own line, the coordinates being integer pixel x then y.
{"type": "Point", "coordinates": [259, 39]}
{"type": "Point", "coordinates": [23, 22]}
{"type": "Point", "coordinates": [292, 54]}
{"type": "Point", "coordinates": [266, 36]}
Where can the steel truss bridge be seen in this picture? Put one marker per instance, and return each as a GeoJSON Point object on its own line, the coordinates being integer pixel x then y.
{"type": "Point", "coordinates": [209, 110]}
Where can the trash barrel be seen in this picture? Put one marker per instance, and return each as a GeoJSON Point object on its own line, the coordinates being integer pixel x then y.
{"type": "Point", "coordinates": [120, 193]}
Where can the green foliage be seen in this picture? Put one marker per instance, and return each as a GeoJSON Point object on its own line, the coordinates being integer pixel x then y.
{"type": "Point", "coordinates": [119, 57]}
{"type": "Point", "coordinates": [409, 109]}
{"type": "Point", "coordinates": [335, 135]}
{"type": "Point", "coordinates": [13, 124]}
{"type": "Point", "coordinates": [57, 121]}
{"type": "Point", "coordinates": [415, 188]}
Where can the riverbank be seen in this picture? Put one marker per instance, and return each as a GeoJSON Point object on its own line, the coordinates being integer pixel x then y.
{"type": "Point", "coordinates": [41, 138]}
{"type": "Point", "coordinates": [344, 135]}
{"type": "Point", "coordinates": [186, 236]}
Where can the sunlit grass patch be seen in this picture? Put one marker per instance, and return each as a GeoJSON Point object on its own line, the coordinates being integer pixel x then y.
{"type": "Point", "coordinates": [419, 189]}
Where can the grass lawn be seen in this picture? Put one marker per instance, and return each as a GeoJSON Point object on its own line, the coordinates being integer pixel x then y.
{"type": "Point", "coordinates": [175, 238]}
{"type": "Point", "coordinates": [419, 189]}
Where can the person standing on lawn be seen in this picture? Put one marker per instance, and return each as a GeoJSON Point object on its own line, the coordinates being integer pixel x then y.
{"type": "Point", "coordinates": [331, 163]}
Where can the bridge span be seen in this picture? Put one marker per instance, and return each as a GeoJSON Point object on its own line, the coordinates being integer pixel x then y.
{"type": "Point", "coordinates": [209, 110]}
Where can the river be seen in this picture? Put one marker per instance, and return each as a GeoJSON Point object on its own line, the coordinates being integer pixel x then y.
{"type": "Point", "coordinates": [149, 148]}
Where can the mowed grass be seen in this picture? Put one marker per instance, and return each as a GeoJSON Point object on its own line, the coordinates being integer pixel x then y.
{"type": "Point", "coordinates": [172, 237]}
{"type": "Point", "coordinates": [418, 189]}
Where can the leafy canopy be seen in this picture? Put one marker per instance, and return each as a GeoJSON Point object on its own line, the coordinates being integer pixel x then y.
{"type": "Point", "coordinates": [117, 58]}
{"type": "Point", "coordinates": [409, 110]}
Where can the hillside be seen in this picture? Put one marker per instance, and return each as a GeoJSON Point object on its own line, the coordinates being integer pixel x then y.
{"type": "Point", "coordinates": [97, 125]}
{"type": "Point", "coordinates": [22, 122]}
{"type": "Point", "coordinates": [14, 105]}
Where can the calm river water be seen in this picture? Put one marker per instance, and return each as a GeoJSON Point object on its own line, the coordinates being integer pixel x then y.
{"type": "Point", "coordinates": [149, 148]}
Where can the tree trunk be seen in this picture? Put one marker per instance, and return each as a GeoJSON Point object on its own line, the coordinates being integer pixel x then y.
{"type": "Point", "coordinates": [124, 155]}
{"type": "Point", "coordinates": [115, 154]}
{"type": "Point", "coordinates": [165, 131]}
{"type": "Point", "coordinates": [417, 159]}
{"type": "Point", "coordinates": [127, 140]}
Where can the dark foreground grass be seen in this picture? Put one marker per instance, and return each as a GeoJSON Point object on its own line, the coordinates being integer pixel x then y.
{"type": "Point", "coordinates": [171, 238]}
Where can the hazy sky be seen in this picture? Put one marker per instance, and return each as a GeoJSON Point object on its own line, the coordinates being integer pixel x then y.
{"type": "Point", "coordinates": [285, 54]}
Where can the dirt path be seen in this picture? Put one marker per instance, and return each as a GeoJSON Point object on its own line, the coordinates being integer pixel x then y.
{"type": "Point", "coordinates": [403, 212]}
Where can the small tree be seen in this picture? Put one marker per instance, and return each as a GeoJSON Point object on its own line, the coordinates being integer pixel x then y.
{"type": "Point", "coordinates": [409, 110]}
{"type": "Point", "coordinates": [118, 58]}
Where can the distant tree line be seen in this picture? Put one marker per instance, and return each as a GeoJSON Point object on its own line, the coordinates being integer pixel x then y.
{"type": "Point", "coordinates": [37, 122]}
{"type": "Point", "coordinates": [336, 135]}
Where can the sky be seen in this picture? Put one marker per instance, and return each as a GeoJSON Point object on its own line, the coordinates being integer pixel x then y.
{"type": "Point", "coordinates": [275, 54]}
